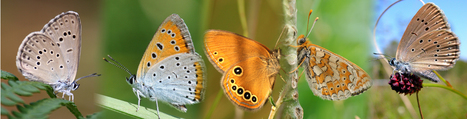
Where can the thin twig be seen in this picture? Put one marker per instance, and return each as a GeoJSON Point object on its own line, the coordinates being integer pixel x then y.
{"type": "Point", "coordinates": [419, 109]}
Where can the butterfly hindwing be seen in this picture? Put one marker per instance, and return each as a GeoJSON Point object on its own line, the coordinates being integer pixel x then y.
{"type": "Point", "coordinates": [247, 84]}
{"type": "Point", "coordinates": [331, 76]}
{"type": "Point", "coordinates": [177, 79]}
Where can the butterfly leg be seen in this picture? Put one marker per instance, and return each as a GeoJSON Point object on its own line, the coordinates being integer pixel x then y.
{"type": "Point", "coordinates": [137, 93]}
{"type": "Point", "coordinates": [70, 95]}
{"type": "Point", "coordinates": [301, 62]}
{"type": "Point", "coordinates": [157, 106]}
{"type": "Point", "coordinates": [63, 95]}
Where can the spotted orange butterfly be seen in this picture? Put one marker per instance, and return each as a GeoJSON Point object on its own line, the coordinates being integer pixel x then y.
{"type": "Point", "coordinates": [170, 70]}
{"type": "Point", "coordinates": [330, 76]}
{"type": "Point", "coordinates": [248, 66]}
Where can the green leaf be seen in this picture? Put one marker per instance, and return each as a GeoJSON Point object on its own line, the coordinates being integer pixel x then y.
{"type": "Point", "coordinates": [128, 108]}
{"type": "Point", "coordinates": [40, 109]}
{"type": "Point", "coordinates": [97, 115]}
{"type": "Point", "coordinates": [8, 75]}
{"type": "Point", "coordinates": [4, 111]}
{"type": "Point", "coordinates": [74, 110]}
{"type": "Point", "coordinates": [23, 88]}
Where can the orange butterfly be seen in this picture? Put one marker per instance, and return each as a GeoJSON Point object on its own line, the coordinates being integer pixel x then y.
{"type": "Point", "coordinates": [330, 76]}
{"type": "Point", "coordinates": [249, 68]}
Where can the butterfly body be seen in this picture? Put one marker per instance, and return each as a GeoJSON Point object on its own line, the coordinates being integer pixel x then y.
{"type": "Point", "coordinates": [329, 75]}
{"type": "Point", "coordinates": [170, 70]}
{"type": "Point", "coordinates": [249, 68]}
{"type": "Point", "coordinates": [427, 44]}
{"type": "Point", "coordinates": [52, 54]}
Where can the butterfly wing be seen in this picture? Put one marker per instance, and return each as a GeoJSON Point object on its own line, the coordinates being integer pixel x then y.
{"type": "Point", "coordinates": [177, 79]}
{"type": "Point", "coordinates": [249, 67]}
{"type": "Point", "coordinates": [248, 83]}
{"type": "Point", "coordinates": [172, 37]}
{"type": "Point", "coordinates": [170, 69]}
{"type": "Point", "coordinates": [428, 18]}
{"type": "Point", "coordinates": [331, 76]}
{"type": "Point", "coordinates": [436, 50]}
{"type": "Point", "coordinates": [52, 54]}
{"type": "Point", "coordinates": [226, 48]}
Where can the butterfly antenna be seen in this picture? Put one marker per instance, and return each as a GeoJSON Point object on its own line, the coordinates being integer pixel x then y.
{"type": "Point", "coordinates": [308, 21]}
{"type": "Point", "coordinates": [312, 26]}
{"type": "Point", "coordinates": [384, 56]}
{"type": "Point", "coordinates": [119, 64]}
{"type": "Point", "coordinates": [277, 42]}
{"type": "Point", "coordinates": [422, 2]}
{"type": "Point", "coordinates": [90, 75]}
{"type": "Point", "coordinates": [376, 24]}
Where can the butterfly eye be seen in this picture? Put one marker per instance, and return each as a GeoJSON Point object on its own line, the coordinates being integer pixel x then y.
{"type": "Point", "coordinates": [75, 86]}
{"type": "Point", "coordinates": [391, 62]}
{"type": "Point", "coordinates": [131, 80]}
{"type": "Point", "coordinates": [301, 41]}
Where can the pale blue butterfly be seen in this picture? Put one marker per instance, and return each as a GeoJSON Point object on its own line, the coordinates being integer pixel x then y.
{"type": "Point", "coordinates": [52, 54]}
{"type": "Point", "coordinates": [427, 44]}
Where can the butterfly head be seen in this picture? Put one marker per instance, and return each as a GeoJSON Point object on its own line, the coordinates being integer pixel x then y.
{"type": "Point", "coordinates": [393, 62]}
{"type": "Point", "coordinates": [301, 40]}
{"type": "Point", "coordinates": [131, 80]}
{"type": "Point", "coordinates": [74, 86]}
{"type": "Point", "coordinates": [399, 66]}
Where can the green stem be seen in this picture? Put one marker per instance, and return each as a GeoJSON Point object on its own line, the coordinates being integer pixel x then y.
{"type": "Point", "coordinates": [241, 12]}
{"type": "Point", "coordinates": [442, 79]}
{"type": "Point", "coordinates": [214, 105]}
{"type": "Point", "coordinates": [445, 87]}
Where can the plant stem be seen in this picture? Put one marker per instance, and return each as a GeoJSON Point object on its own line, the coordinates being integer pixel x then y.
{"type": "Point", "coordinates": [287, 104]}
{"type": "Point", "coordinates": [241, 12]}
{"type": "Point", "coordinates": [214, 105]}
{"type": "Point", "coordinates": [442, 79]}
{"type": "Point", "coordinates": [445, 87]}
{"type": "Point", "coordinates": [419, 109]}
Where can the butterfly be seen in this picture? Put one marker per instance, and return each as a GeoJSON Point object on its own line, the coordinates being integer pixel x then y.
{"type": "Point", "coordinates": [248, 67]}
{"type": "Point", "coordinates": [329, 75]}
{"type": "Point", "coordinates": [170, 70]}
{"type": "Point", "coordinates": [52, 55]}
{"type": "Point", "coordinates": [427, 44]}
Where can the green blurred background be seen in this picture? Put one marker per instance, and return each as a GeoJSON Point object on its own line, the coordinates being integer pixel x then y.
{"type": "Point", "coordinates": [124, 28]}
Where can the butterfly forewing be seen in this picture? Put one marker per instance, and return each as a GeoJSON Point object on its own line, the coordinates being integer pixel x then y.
{"type": "Point", "coordinates": [226, 48]}
{"type": "Point", "coordinates": [52, 54]}
{"type": "Point", "coordinates": [428, 18]}
{"type": "Point", "coordinates": [172, 37]}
